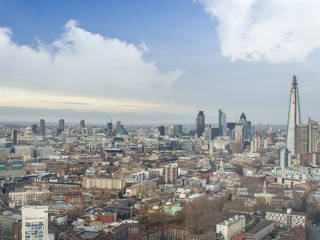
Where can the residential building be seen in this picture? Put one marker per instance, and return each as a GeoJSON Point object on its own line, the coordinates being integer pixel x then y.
{"type": "Point", "coordinates": [231, 226]}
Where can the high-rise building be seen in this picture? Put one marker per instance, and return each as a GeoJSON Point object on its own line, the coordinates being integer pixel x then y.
{"type": "Point", "coordinates": [200, 122]}
{"type": "Point", "coordinates": [61, 124]}
{"type": "Point", "coordinates": [34, 223]}
{"type": "Point", "coordinates": [176, 130]}
{"type": "Point", "coordinates": [34, 128]}
{"type": "Point", "coordinates": [238, 132]}
{"type": "Point", "coordinates": [171, 173]}
{"type": "Point", "coordinates": [246, 130]}
{"type": "Point", "coordinates": [313, 132]}
{"type": "Point", "coordinates": [14, 136]}
{"type": "Point", "coordinates": [42, 127]}
{"type": "Point", "coordinates": [284, 157]}
{"type": "Point", "coordinates": [82, 124]}
{"type": "Point", "coordinates": [301, 139]}
{"type": "Point", "coordinates": [306, 141]}
{"type": "Point", "coordinates": [161, 130]}
{"type": "Point", "coordinates": [222, 125]}
{"type": "Point", "coordinates": [294, 116]}
{"type": "Point", "coordinates": [255, 144]}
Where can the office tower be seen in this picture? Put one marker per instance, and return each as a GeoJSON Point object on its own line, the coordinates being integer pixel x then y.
{"type": "Point", "coordinates": [306, 141]}
{"type": "Point", "coordinates": [109, 125]}
{"type": "Point", "coordinates": [82, 124]}
{"type": "Point", "coordinates": [34, 223]}
{"type": "Point", "coordinates": [108, 130]}
{"type": "Point", "coordinates": [255, 144]}
{"type": "Point", "coordinates": [246, 131]}
{"type": "Point", "coordinates": [238, 132]}
{"type": "Point", "coordinates": [222, 125]}
{"type": "Point", "coordinates": [200, 121]}
{"type": "Point", "coordinates": [161, 130]}
{"type": "Point", "coordinates": [284, 157]}
{"type": "Point", "coordinates": [171, 173]}
{"type": "Point", "coordinates": [294, 116]}
{"type": "Point", "coordinates": [42, 127]}
{"type": "Point", "coordinates": [176, 130]}
{"type": "Point", "coordinates": [14, 136]}
{"type": "Point", "coordinates": [215, 132]}
{"type": "Point", "coordinates": [313, 132]}
{"type": "Point", "coordinates": [34, 128]}
{"type": "Point", "coordinates": [61, 125]}
{"type": "Point", "coordinates": [301, 139]}
{"type": "Point", "coordinates": [207, 132]}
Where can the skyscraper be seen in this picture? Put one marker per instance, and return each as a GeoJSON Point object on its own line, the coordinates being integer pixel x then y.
{"type": "Point", "coordinates": [313, 132]}
{"type": "Point", "coordinates": [42, 127]}
{"type": "Point", "coordinates": [294, 116]}
{"type": "Point", "coordinates": [200, 121]}
{"type": "Point", "coordinates": [14, 136]}
{"type": "Point", "coordinates": [222, 125]}
{"type": "Point", "coordinates": [306, 141]}
{"type": "Point", "coordinates": [284, 157]}
{"type": "Point", "coordinates": [82, 124]}
{"type": "Point", "coordinates": [34, 223]}
{"type": "Point", "coordinates": [246, 134]}
{"type": "Point", "coordinates": [61, 124]}
{"type": "Point", "coordinates": [161, 130]}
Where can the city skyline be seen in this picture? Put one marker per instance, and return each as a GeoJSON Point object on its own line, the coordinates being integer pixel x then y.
{"type": "Point", "coordinates": [156, 85]}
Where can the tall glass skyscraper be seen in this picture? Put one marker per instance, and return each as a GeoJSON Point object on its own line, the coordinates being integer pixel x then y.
{"type": "Point", "coordinates": [200, 122]}
{"type": "Point", "coordinates": [294, 116]}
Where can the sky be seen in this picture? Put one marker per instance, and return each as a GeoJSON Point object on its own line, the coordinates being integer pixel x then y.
{"type": "Point", "coordinates": [151, 61]}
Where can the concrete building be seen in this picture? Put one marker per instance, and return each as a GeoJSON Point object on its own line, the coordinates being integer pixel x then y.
{"type": "Point", "coordinates": [260, 230]}
{"type": "Point", "coordinates": [61, 125]}
{"type": "Point", "coordinates": [10, 226]}
{"type": "Point", "coordinates": [288, 219]}
{"type": "Point", "coordinates": [23, 198]}
{"type": "Point", "coordinates": [82, 124]}
{"type": "Point", "coordinates": [238, 132]}
{"type": "Point", "coordinates": [103, 183]}
{"type": "Point", "coordinates": [42, 129]}
{"type": "Point", "coordinates": [171, 173]}
{"type": "Point", "coordinates": [140, 188]}
{"type": "Point", "coordinates": [35, 223]}
{"type": "Point", "coordinates": [231, 226]}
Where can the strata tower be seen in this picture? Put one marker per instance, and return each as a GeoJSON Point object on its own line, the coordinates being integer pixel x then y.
{"type": "Point", "coordinates": [294, 116]}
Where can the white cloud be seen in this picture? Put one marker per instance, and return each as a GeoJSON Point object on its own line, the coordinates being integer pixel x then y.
{"type": "Point", "coordinates": [81, 63]}
{"type": "Point", "coordinates": [274, 30]}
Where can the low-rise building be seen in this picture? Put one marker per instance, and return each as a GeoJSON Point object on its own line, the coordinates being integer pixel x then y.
{"type": "Point", "coordinates": [23, 198]}
{"type": "Point", "coordinates": [288, 219]}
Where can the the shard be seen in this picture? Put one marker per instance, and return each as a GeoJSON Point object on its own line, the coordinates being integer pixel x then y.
{"type": "Point", "coordinates": [294, 116]}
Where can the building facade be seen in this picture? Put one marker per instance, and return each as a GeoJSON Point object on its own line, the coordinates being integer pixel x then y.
{"type": "Point", "coordinates": [231, 226]}
{"type": "Point", "coordinates": [35, 223]}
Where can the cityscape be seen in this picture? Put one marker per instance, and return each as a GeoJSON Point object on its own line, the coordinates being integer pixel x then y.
{"type": "Point", "coordinates": [230, 180]}
{"type": "Point", "coordinates": [108, 138]}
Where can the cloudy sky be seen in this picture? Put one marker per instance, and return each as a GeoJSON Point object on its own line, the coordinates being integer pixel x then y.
{"type": "Point", "coordinates": [157, 61]}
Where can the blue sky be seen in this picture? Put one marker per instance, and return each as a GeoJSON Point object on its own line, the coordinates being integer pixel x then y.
{"type": "Point", "coordinates": [156, 61]}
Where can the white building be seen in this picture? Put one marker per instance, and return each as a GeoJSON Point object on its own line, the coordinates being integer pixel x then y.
{"type": "Point", "coordinates": [231, 226]}
{"type": "Point", "coordinates": [287, 219]}
{"type": "Point", "coordinates": [23, 198]}
{"type": "Point", "coordinates": [34, 223]}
